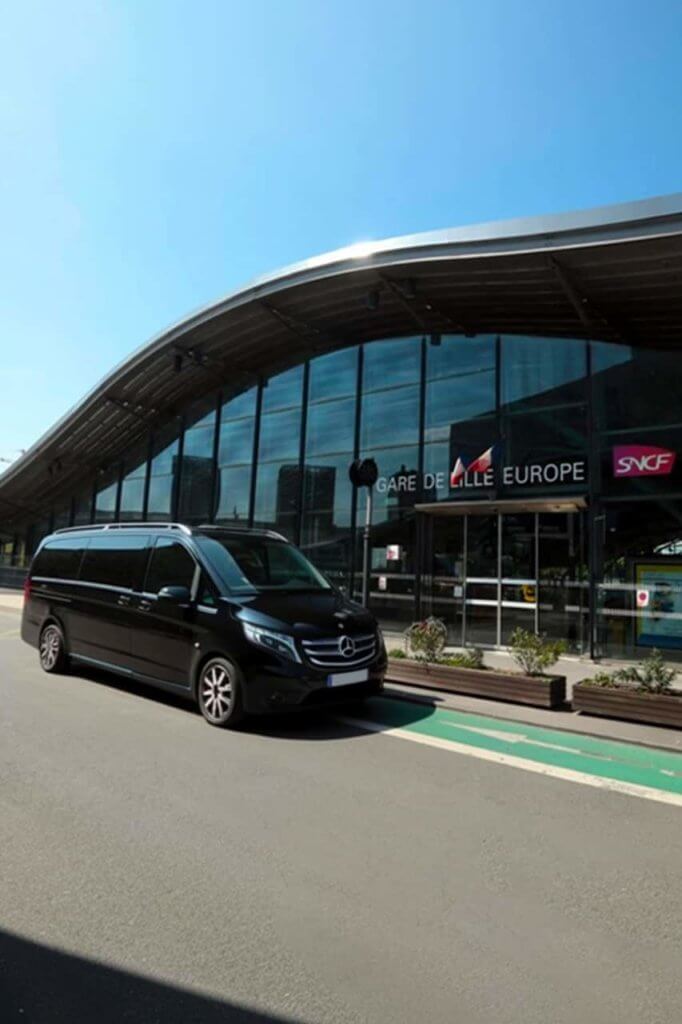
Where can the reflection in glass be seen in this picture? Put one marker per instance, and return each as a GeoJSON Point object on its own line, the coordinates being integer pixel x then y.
{"type": "Point", "coordinates": [334, 375]}
{"type": "Point", "coordinates": [279, 435]}
{"type": "Point", "coordinates": [236, 441]}
{"type": "Point", "coordinates": [390, 363]}
{"type": "Point", "coordinates": [277, 497]}
{"type": "Point", "coordinates": [105, 498]}
{"type": "Point", "coordinates": [330, 427]}
{"type": "Point", "coordinates": [243, 404]}
{"type": "Point", "coordinates": [284, 390]}
{"type": "Point", "coordinates": [390, 417]}
{"type": "Point", "coordinates": [232, 500]}
{"type": "Point", "coordinates": [543, 371]}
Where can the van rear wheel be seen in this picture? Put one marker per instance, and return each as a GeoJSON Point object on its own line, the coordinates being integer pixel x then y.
{"type": "Point", "coordinates": [52, 649]}
{"type": "Point", "coordinates": [219, 693]}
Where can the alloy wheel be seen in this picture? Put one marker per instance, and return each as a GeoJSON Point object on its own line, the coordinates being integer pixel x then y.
{"type": "Point", "coordinates": [50, 648]}
{"type": "Point", "coordinates": [217, 693]}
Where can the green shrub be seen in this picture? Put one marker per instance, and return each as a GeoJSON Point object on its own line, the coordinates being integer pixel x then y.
{"type": "Point", "coordinates": [397, 652]}
{"type": "Point", "coordinates": [533, 653]}
{"type": "Point", "coordinates": [426, 639]}
{"type": "Point", "coordinates": [471, 658]}
{"type": "Point", "coordinates": [652, 675]}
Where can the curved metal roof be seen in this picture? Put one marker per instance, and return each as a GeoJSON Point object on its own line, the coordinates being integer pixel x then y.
{"type": "Point", "coordinates": [612, 273]}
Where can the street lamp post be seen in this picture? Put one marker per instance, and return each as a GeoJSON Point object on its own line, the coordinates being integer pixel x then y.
{"type": "Point", "coordinates": [364, 473]}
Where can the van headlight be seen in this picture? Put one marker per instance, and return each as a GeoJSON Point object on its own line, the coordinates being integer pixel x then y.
{"type": "Point", "coordinates": [278, 643]}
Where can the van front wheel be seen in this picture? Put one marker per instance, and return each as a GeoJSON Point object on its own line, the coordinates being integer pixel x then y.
{"type": "Point", "coordinates": [219, 693]}
{"type": "Point", "coordinates": [52, 650]}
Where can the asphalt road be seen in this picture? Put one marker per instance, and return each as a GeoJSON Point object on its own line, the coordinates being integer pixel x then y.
{"type": "Point", "coordinates": [155, 869]}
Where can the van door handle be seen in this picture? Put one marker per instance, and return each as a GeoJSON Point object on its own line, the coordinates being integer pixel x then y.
{"type": "Point", "coordinates": [144, 606]}
{"type": "Point", "coordinates": [124, 600]}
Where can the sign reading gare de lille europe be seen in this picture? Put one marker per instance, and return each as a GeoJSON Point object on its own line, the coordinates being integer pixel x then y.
{"type": "Point", "coordinates": [483, 472]}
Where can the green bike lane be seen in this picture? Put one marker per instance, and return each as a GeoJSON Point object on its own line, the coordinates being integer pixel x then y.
{"type": "Point", "coordinates": [573, 757]}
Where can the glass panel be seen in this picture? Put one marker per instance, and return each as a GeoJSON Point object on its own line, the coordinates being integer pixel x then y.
{"type": "Point", "coordinates": [390, 417]}
{"type": "Point", "coordinates": [538, 442]}
{"type": "Point", "coordinates": [132, 485]}
{"type": "Point", "coordinates": [196, 487]}
{"type": "Point", "coordinates": [132, 499]}
{"type": "Point", "coordinates": [279, 435]}
{"type": "Point", "coordinates": [471, 359]}
{"type": "Point", "coordinates": [277, 497]}
{"type": "Point", "coordinates": [165, 450]}
{"type": "Point", "coordinates": [446, 595]}
{"type": "Point", "coordinates": [635, 388]}
{"type": "Point", "coordinates": [334, 375]}
{"type": "Point", "coordinates": [105, 498]}
{"type": "Point", "coordinates": [482, 547]}
{"type": "Point", "coordinates": [236, 441]}
{"type": "Point", "coordinates": [83, 507]}
{"type": "Point", "coordinates": [199, 442]}
{"type": "Point", "coordinates": [397, 468]}
{"type": "Point", "coordinates": [160, 498]}
{"type": "Point", "coordinates": [481, 613]}
{"type": "Point", "coordinates": [234, 487]}
{"type": "Point", "coordinates": [518, 547]}
{"type": "Point", "coordinates": [325, 531]}
{"type": "Point", "coordinates": [451, 401]}
{"type": "Point", "coordinates": [392, 577]}
{"type": "Point", "coordinates": [331, 427]}
{"type": "Point", "coordinates": [388, 363]}
{"type": "Point", "coordinates": [241, 405]}
{"type": "Point", "coordinates": [284, 390]}
{"type": "Point", "coordinates": [542, 371]}
{"type": "Point", "coordinates": [564, 588]}
{"type": "Point", "coordinates": [640, 595]}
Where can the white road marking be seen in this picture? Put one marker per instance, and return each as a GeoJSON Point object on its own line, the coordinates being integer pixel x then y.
{"type": "Point", "coordinates": [512, 761]}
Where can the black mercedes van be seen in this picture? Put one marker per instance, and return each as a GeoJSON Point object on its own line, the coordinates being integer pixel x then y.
{"type": "Point", "coordinates": [237, 619]}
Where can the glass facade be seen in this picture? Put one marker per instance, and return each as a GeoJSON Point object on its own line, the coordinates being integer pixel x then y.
{"type": "Point", "coordinates": [522, 481]}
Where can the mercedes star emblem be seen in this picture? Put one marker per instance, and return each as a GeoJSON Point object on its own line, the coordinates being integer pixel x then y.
{"type": "Point", "coordinates": [346, 646]}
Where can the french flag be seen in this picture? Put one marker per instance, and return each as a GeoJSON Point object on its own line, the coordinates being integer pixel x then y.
{"type": "Point", "coordinates": [457, 473]}
{"type": "Point", "coordinates": [482, 463]}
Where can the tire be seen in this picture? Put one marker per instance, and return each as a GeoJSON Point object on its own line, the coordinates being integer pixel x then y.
{"type": "Point", "coordinates": [52, 650]}
{"type": "Point", "coordinates": [219, 693]}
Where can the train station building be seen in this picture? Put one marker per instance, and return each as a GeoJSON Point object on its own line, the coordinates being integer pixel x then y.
{"type": "Point", "coordinates": [519, 385]}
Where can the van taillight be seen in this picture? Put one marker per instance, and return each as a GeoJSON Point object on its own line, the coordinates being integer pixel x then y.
{"type": "Point", "coordinates": [27, 588]}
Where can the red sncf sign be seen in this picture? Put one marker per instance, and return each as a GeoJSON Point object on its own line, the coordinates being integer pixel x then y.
{"type": "Point", "coordinates": [642, 460]}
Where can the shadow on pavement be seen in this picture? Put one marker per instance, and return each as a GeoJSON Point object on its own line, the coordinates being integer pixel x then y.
{"type": "Point", "coordinates": [40, 985]}
{"type": "Point", "coordinates": [303, 725]}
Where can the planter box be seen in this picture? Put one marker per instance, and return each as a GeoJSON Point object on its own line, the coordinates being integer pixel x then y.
{"type": "Point", "coordinates": [655, 708]}
{"type": "Point", "coordinates": [541, 692]}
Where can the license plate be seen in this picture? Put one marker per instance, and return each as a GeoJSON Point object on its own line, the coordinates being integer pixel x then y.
{"type": "Point", "coordinates": [346, 678]}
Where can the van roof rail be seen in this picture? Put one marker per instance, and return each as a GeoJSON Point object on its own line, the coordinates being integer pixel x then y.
{"type": "Point", "coordinates": [238, 528]}
{"type": "Point", "coordinates": [126, 526]}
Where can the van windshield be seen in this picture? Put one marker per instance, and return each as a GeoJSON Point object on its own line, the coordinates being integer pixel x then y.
{"type": "Point", "coordinates": [248, 564]}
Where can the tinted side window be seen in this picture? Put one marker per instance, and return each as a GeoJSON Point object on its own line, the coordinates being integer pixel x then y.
{"type": "Point", "coordinates": [59, 559]}
{"type": "Point", "coordinates": [114, 559]}
{"type": "Point", "coordinates": [171, 565]}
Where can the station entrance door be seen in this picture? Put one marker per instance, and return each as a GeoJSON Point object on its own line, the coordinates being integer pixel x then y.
{"type": "Point", "coordinates": [488, 568]}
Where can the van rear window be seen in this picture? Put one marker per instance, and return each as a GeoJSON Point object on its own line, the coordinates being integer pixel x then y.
{"type": "Point", "coordinates": [59, 559]}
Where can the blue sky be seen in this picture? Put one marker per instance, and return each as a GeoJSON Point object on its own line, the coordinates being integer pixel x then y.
{"type": "Point", "coordinates": [154, 155]}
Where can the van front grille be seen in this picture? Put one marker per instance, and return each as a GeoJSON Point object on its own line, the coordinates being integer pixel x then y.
{"type": "Point", "coordinates": [341, 651]}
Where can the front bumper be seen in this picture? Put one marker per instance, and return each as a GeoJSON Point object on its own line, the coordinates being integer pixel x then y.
{"type": "Point", "coordinates": [287, 687]}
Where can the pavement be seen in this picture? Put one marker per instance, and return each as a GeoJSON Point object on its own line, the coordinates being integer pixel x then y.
{"type": "Point", "coordinates": [319, 868]}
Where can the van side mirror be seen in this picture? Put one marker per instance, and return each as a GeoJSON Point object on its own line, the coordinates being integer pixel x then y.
{"type": "Point", "coordinates": [178, 595]}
